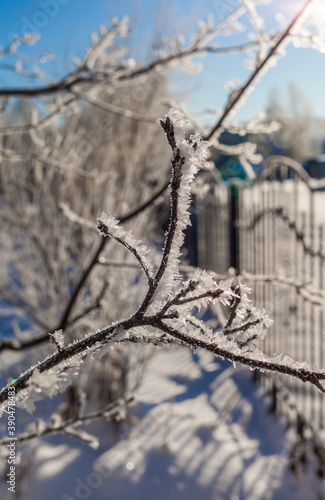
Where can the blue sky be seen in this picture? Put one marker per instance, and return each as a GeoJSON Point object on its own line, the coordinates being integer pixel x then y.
{"type": "Point", "coordinates": [65, 26]}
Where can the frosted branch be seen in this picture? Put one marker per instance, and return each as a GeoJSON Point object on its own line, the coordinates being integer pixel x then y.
{"type": "Point", "coordinates": [303, 288]}
{"type": "Point", "coordinates": [108, 226]}
{"type": "Point", "coordinates": [70, 426]}
{"type": "Point", "coordinates": [168, 303]}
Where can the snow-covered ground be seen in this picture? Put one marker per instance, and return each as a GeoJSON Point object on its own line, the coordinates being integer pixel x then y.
{"type": "Point", "coordinates": [201, 431]}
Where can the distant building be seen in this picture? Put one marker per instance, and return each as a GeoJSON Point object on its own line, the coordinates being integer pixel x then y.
{"type": "Point", "coordinates": [315, 167]}
{"type": "Point", "coordinates": [229, 166]}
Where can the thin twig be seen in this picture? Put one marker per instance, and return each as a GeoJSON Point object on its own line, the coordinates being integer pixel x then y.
{"type": "Point", "coordinates": [304, 374]}
{"type": "Point", "coordinates": [109, 411]}
{"type": "Point", "coordinates": [237, 97]}
{"type": "Point", "coordinates": [237, 300]}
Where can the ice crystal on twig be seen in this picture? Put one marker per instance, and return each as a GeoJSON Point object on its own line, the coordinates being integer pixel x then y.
{"type": "Point", "coordinates": [108, 226]}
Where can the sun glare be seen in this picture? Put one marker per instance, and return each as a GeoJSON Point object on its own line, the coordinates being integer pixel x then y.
{"type": "Point", "coordinates": [317, 13]}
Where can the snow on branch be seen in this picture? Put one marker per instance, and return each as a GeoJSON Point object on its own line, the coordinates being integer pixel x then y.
{"type": "Point", "coordinates": [168, 308]}
{"type": "Point", "coordinates": [105, 65]}
{"type": "Point", "coordinates": [303, 288]}
{"type": "Point", "coordinates": [108, 226]}
{"type": "Point", "coordinates": [17, 66]}
{"type": "Point", "coordinates": [57, 339]}
{"type": "Point", "coordinates": [71, 426]}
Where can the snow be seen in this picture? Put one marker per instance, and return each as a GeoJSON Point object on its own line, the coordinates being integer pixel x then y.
{"type": "Point", "coordinates": [202, 429]}
{"type": "Point", "coordinates": [193, 151]}
{"type": "Point", "coordinates": [109, 226]}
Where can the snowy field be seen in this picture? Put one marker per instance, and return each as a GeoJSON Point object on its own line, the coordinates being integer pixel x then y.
{"type": "Point", "coordinates": [201, 430]}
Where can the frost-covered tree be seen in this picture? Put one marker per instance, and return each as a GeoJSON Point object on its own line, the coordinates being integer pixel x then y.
{"type": "Point", "coordinates": [81, 294]}
{"type": "Point", "coordinates": [167, 304]}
